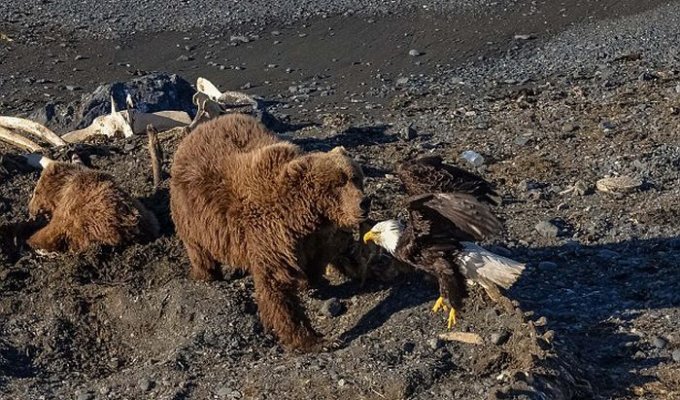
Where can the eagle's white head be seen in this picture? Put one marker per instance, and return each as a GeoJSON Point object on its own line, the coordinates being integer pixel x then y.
{"type": "Point", "coordinates": [385, 234]}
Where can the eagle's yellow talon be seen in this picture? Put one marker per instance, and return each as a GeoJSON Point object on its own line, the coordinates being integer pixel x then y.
{"type": "Point", "coordinates": [452, 318]}
{"type": "Point", "coordinates": [439, 304]}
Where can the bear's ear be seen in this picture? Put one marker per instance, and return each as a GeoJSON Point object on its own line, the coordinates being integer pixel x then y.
{"type": "Point", "coordinates": [340, 150]}
{"type": "Point", "coordinates": [294, 170]}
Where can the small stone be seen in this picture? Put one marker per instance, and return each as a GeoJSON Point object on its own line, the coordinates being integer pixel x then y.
{"type": "Point", "coordinates": [224, 392]}
{"type": "Point", "coordinates": [80, 57]}
{"type": "Point", "coordinates": [128, 147]}
{"type": "Point", "coordinates": [239, 38]}
{"type": "Point", "coordinates": [145, 385]}
{"type": "Point", "coordinates": [547, 266]}
{"type": "Point", "coordinates": [85, 396]}
{"type": "Point", "coordinates": [500, 338]}
{"type": "Point", "coordinates": [547, 229]}
{"type": "Point", "coordinates": [292, 89]}
{"type": "Point", "coordinates": [434, 343]}
{"type": "Point", "coordinates": [473, 158]}
{"type": "Point", "coordinates": [569, 127]}
{"type": "Point", "coordinates": [184, 57]}
{"type": "Point", "coordinates": [402, 81]}
{"type": "Point", "coordinates": [341, 383]}
{"type": "Point", "coordinates": [676, 355]}
{"type": "Point", "coordinates": [608, 254]}
{"type": "Point", "coordinates": [659, 342]}
{"type": "Point", "coordinates": [246, 86]}
{"type": "Point", "coordinates": [332, 308]}
{"type": "Point", "coordinates": [189, 47]}
{"type": "Point", "coordinates": [409, 347]}
{"type": "Point", "coordinates": [272, 66]}
{"type": "Point", "coordinates": [607, 125]}
{"type": "Point", "coordinates": [543, 321]}
{"type": "Point", "coordinates": [71, 88]}
{"type": "Point", "coordinates": [409, 132]}
{"type": "Point", "coordinates": [526, 185]}
{"type": "Point", "coordinates": [677, 90]}
{"type": "Point", "coordinates": [413, 53]}
{"type": "Point", "coordinates": [581, 188]}
{"type": "Point", "coordinates": [525, 37]}
{"type": "Point", "coordinates": [522, 140]}
{"type": "Point", "coordinates": [276, 33]}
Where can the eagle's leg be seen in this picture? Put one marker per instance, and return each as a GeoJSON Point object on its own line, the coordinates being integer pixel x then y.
{"type": "Point", "coordinates": [439, 304]}
{"type": "Point", "coordinates": [451, 290]}
{"type": "Point", "coordinates": [445, 305]}
{"type": "Point", "coordinates": [452, 318]}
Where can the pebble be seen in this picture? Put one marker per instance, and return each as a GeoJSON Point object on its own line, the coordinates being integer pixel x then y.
{"type": "Point", "coordinates": [543, 321]}
{"type": "Point", "coordinates": [402, 81]}
{"type": "Point", "coordinates": [676, 355]}
{"type": "Point", "coordinates": [85, 396]}
{"type": "Point", "coordinates": [409, 132]}
{"type": "Point", "coordinates": [659, 342]}
{"type": "Point", "coordinates": [473, 158]}
{"type": "Point", "coordinates": [79, 57]}
{"type": "Point", "coordinates": [128, 147]}
{"type": "Point", "coordinates": [499, 338]}
{"type": "Point", "coordinates": [332, 308]}
{"type": "Point", "coordinates": [607, 125]}
{"type": "Point", "coordinates": [409, 347]}
{"type": "Point", "coordinates": [223, 392]}
{"type": "Point", "coordinates": [71, 88]}
{"type": "Point", "coordinates": [145, 385]}
{"type": "Point", "coordinates": [434, 343]}
{"type": "Point", "coordinates": [413, 53]}
{"type": "Point", "coordinates": [184, 57]}
{"type": "Point", "coordinates": [547, 229]}
{"type": "Point", "coordinates": [607, 254]}
{"type": "Point", "coordinates": [547, 266]}
{"type": "Point", "coordinates": [569, 127]}
{"type": "Point", "coordinates": [522, 140]}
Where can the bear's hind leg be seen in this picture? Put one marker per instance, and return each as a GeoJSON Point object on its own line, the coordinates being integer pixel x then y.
{"type": "Point", "coordinates": [203, 266]}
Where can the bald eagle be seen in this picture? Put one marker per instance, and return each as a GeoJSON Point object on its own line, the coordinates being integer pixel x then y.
{"type": "Point", "coordinates": [448, 209]}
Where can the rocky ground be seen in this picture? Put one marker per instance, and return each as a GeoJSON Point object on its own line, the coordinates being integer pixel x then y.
{"type": "Point", "coordinates": [554, 97]}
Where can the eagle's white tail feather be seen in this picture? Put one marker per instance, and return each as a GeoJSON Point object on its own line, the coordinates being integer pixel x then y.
{"type": "Point", "coordinates": [481, 263]}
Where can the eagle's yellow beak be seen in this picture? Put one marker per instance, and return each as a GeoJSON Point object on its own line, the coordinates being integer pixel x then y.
{"type": "Point", "coordinates": [370, 236]}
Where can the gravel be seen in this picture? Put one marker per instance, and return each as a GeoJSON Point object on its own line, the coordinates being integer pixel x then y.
{"type": "Point", "coordinates": [121, 18]}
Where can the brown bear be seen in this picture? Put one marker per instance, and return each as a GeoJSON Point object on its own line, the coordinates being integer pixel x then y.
{"type": "Point", "coordinates": [245, 199]}
{"type": "Point", "coordinates": [86, 207]}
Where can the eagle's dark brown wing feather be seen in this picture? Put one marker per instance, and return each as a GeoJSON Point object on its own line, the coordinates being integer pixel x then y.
{"type": "Point", "coordinates": [464, 218]}
{"type": "Point", "coordinates": [431, 175]}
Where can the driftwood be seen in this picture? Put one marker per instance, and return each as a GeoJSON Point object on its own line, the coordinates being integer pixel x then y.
{"type": "Point", "coordinates": [155, 154]}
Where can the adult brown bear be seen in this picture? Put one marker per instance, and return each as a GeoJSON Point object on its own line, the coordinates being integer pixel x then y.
{"type": "Point", "coordinates": [86, 207]}
{"type": "Point", "coordinates": [243, 198]}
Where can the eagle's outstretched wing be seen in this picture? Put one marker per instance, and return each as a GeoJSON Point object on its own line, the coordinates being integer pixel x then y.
{"type": "Point", "coordinates": [431, 175]}
{"type": "Point", "coordinates": [442, 218]}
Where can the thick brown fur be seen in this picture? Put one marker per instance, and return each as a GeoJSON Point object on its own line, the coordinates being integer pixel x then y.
{"type": "Point", "coordinates": [85, 207]}
{"type": "Point", "coordinates": [241, 197]}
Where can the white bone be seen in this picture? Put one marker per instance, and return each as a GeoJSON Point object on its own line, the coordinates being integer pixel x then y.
{"type": "Point", "coordinates": [205, 86]}
{"type": "Point", "coordinates": [31, 127]}
{"type": "Point", "coordinates": [128, 102]}
{"type": "Point", "coordinates": [18, 140]}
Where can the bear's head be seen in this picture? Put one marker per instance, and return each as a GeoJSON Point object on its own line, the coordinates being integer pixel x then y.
{"type": "Point", "coordinates": [336, 184]}
{"type": "Point", "coordinates": [48, 191]}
